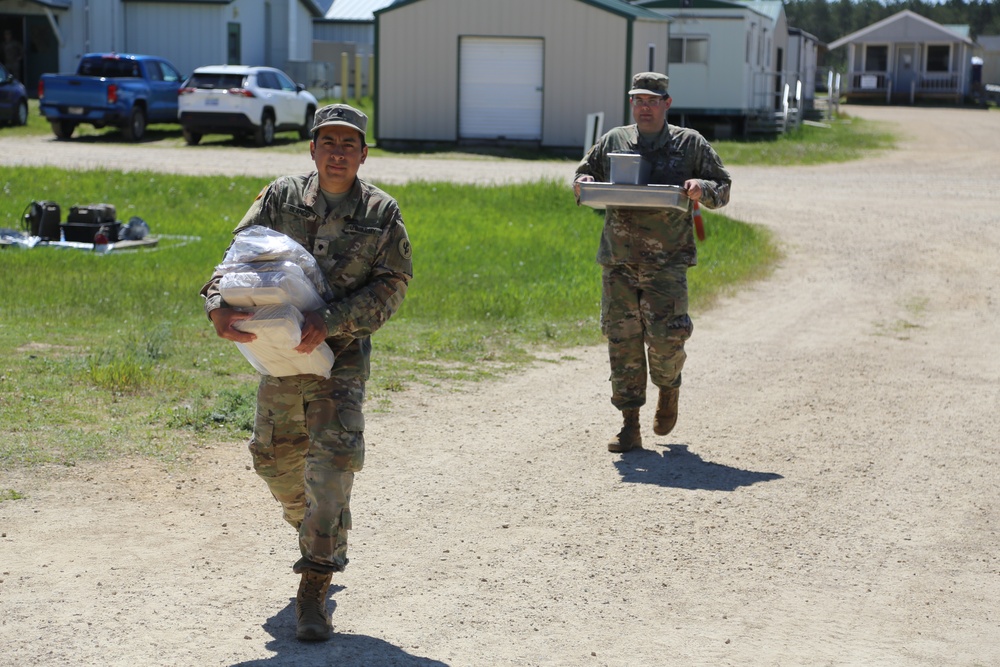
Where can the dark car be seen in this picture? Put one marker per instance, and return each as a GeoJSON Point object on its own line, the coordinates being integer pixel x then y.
{"type": "Point", "coordinates": [13, 99]}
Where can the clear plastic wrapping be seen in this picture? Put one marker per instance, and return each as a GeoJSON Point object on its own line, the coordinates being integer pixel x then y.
{"type": "Point", "coordinates": [259, 245]}
{"type": "Point", "coordinates": [271, 275]}
{"type": "Point", "coordinates": [279, 330]}
{"type": "Point", "coordinates": [265, 288]}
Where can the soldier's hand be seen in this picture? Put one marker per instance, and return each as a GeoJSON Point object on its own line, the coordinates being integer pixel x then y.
{"type": "Point", "coordinates": [582, 178]}
{"type": "Point", "coordinates": [314, 332]}
{"type": "Point", "coordinates": [224, 319]}
{"type": "Point", "coordinates": [692, 188]}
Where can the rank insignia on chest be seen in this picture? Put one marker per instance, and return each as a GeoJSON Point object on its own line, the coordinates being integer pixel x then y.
{"type": "Point", "coordinates": [321, 247]}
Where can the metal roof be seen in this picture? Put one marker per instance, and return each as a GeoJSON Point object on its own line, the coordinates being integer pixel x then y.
{"type": "Point", "coordinates": [53, 4]}
{"type": "Point", "coordinates": [620, 7]}
{"type": "Point", "coordinates": [695, 7]}
{"type": "Point", "coordinates": [355, 10]}
{"type": "Point", "coordinates": [625, 8]}
{"type": "Point", "coordinates": [957, 28]}
{"type": "Point", "coordinates": [769, 8]}
{"type": "Point", "coordinates": [310, 5]}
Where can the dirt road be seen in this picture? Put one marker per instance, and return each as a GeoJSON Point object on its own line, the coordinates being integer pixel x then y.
{"type": "Point", "coordinates": [829, 497]}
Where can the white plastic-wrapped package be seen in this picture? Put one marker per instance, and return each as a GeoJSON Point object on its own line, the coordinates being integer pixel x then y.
{"type": "Point", "coordinates": [278, 279]}
{"type": "Point", "coordinates": [279, 330]}
{"type": "Point", "coordinates": [257, 244]}
{"type": "Point", "coordinates": [279, 326]}
{"type": "Point", "coordinates": [288, 285]}
{"type": "Point", "coordinates": [282, 363]}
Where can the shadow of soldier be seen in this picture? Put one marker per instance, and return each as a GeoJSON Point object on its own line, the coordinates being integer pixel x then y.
{"type": "Point", "coordinates": [680, 468]}
{"type": "Point", "coordinates": [343, 650]}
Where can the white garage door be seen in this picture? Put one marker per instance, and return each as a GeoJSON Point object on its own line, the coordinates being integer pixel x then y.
{"type": "Point", "coordinates": [500, 88]}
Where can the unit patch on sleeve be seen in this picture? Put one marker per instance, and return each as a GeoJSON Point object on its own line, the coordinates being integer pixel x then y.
{"type": "Point", "coordinates": [404, 248]}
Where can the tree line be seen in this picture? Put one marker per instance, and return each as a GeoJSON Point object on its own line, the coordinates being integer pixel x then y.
{"type": "Point", "coordinates": [829, 21]}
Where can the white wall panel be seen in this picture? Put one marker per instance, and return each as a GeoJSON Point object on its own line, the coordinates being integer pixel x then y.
{"type": "Point", "coordinates": [188, 39]}
{"type": "Point", "coordinates": [586, 49]}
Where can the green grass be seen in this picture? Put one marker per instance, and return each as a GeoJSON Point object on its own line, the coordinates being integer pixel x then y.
{"type": "Point", "coordinates": [111, 355]}
{"type": "Point", "coordinates": [10, 494]}
{"type": "Point", "coordinates": [845, 139]}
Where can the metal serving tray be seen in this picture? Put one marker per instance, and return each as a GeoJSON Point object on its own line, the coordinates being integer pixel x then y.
{"type": "Point", "coordinates": [602, 195]}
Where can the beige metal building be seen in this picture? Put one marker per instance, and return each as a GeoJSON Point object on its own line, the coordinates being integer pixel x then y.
{"type": "Point", "coordinates": [470, 71]}
{"type": "Point", "coordinates": [989, 51]}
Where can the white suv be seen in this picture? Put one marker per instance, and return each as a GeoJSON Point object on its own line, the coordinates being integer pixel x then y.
{"type": "Point", "coordinates": [239, 100]}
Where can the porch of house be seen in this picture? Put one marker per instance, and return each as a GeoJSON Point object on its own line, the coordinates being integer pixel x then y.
{"type": "Point", "coordinates": [880, 86]}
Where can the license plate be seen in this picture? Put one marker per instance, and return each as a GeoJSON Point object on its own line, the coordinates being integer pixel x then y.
{"type": "Point", "coordinates": [211, 102]}
{"type": "Point", "coordinates": [76, 111]}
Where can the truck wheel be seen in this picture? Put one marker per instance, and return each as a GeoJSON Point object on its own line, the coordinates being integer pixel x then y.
{"type": "Point", "coordinates": [136, 128]}
{"type": "Point", "coordinates": [264, 136]}
{"type": "Point", "coordinates": [306, 130]}
{"type": "Point", "coordinates": [21, 113]}
{"type": "Point", "coordinates": [192, 138]}
{"type": "Point", "coordinates": [63, 129]}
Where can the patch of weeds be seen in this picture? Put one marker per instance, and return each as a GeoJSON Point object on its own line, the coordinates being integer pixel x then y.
{"type": "Point", "coordinates": [10, 494]}
{"type": "Point", "coordinates": [130, 364]}
{"type": "Point", "coordinates": [120, 370]}
{"type": "Point", "coordinates": [377, 402]}
{"type": "Point", "coordinates": [233, 408]}
{"type": "Point", "coordinates": [155, 342]}
{"type": "Point", "coordinates": [897, 329]}
{"type": "Point", "coordinates": [392, 384]}
{"type": "Point", "coordinates": [917, 305]}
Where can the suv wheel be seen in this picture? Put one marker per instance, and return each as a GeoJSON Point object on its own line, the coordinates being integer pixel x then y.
{"type": "Point", "coordinates": [191, 138]}
{"type": "Point", "coordinates": [21, 113]}
{"type": "Point", "coordinates": [63, 129]}
{"type": "Point", "coordinates": [136, 128]}
{"type": "Point", "coordinates": [305, 131]}
{"type": "Point", "coordinates": [264, 136]}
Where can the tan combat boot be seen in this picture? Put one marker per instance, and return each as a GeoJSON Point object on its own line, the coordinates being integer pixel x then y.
{"type": "Point", "coordinates": [630, 437]}
{"type": "Point", "coordinates": [310, 607]}
{"type": "Point", "coordinates": [666, 410]}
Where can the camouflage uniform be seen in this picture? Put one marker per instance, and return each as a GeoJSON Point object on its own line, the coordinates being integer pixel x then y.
{"type": "Point", "coordinates": [645, 253]}
{"type": "Point", "coordinates": [308, 438]}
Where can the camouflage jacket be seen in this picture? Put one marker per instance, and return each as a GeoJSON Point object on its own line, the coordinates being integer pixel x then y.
{"type": "Point", "coordinates": [648, 235]}
{"type": "Point", "coordinates": [361, 246]}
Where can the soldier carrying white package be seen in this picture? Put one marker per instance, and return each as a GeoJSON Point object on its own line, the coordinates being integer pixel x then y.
{"type": "Point", "coordinates": [308, 438]}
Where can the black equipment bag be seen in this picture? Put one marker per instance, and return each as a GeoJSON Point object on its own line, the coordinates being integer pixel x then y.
{"type": "Point", "coordinates": [92, 213]}
{"type": "Point", "coordinates": [43, 218]}
{"type": "Point", "coordinates": [86, 232]}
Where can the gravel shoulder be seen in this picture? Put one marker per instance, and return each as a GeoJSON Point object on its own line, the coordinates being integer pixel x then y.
{"type": "Point", "coordinates": [829, 497]}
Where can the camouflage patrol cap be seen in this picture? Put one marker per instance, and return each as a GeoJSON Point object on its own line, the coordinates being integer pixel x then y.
{"type": "Point", "coordinates": [649, 83]}
{"type": "Point", "coordinates": [340, 114]}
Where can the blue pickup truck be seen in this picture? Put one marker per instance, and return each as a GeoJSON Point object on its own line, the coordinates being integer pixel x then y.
{"type": "Point", "coordinates": [121, 89]}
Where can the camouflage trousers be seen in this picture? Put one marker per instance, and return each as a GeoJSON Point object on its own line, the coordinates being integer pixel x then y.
{"type": "Point", "coordinates": [644, 307]}
{"type": "Point", "coordinates": [308, 442]}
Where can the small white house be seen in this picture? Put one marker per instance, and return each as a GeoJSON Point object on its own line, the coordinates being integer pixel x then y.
{"type": "Point", "coordinates": [906, 58]}
{"type": "Point", "coordinates": [730, 61]}
{"type": "Point", "coordinates": [188, 33]}
{"type": "Point", "coordinates": [511, 70]}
